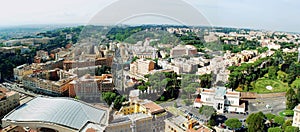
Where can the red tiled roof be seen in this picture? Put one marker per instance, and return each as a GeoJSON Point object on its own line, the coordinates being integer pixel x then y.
{"type": "Point", "coordinates": [198, 100]}
{"type": "Point", "coordinates": [153, 107]}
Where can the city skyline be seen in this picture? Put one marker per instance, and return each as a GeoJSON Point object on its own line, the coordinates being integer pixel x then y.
{"type": "Point", "coordinates": [226, 13]}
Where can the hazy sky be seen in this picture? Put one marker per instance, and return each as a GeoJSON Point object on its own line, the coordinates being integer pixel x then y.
{"type": "Point", "coordinates": [280, 15]}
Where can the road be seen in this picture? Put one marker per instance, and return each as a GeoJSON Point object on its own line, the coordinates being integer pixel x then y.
{"type": "Point", "coordinates": [267, 105]}
{"type": "Point", "coordinates": [14, 87]}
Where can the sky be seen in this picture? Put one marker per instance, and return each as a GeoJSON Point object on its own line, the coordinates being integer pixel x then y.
{"type": "Point", "coordinates": [274, 15]}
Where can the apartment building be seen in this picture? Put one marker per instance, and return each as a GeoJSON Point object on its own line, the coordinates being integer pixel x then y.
{"type": "Point", "coordinates": [90, 87]}
{"type": "Point", "coordinates": [183, 50]}
{"type": "Point", "coordinates": [52, 82]}
{"type": "Point", "coordinates": [8, 101]}
{"type": "Point", "coordinates": [141, 66]}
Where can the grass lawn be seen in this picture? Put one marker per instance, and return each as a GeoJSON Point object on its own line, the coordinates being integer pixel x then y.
{"type": "Point", "coordinates": [261, 84]}
{"type": "Point", "coordinates": [287, 113]}
{"type": "Point", "coordinates": [296, 83]}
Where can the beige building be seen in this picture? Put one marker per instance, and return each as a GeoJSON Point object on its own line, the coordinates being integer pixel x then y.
{"type": "Point", "coordinates": [182, 50]}
{"type": "Point", "coordinates": [135, 106]}
{"type": "Point", "coordinates": [21, 71]}
{"type": "Point", "coordinates": [135, 122]}
{"type": "Point", "coordinates": [182, 124]}
{"type": "Point", "coordinates": [52, 82]}
{"type": "Point", "coordinates": [8, 101]}
{"type": "Point", "coordinates": [141, 66]}
{"type": "Point", "coordinates": [90, 87]}
{"type": "Point", "coordinates": [296, 118]}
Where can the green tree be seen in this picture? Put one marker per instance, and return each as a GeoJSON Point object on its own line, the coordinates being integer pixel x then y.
{"type": "Point", "coordinates": [207, 111]}
{"type": "Point", "coordinates": [109, 97]}
{"type": "Point", "coordinates": [158, 82]}
{"type": "Point", "coordinates": [205, 80]}
{"type": "Point", "coordinates": [233, 123]}
{"type": "Point", "coordinates": [274, 129]}
{"type": "Point", "coordinates": [255, 122]}
{"type": "Point", "coordinates": [270, 116]}
{"type": "Point", "coordinates": [287, 123]}
{"type": "Point", "coordinates": [291, 129]}
{"type": "Point", "coordinates": [279, 120]}
{"type": "Point", "coordinates": [291, 99]}
{"type": "Point", "coordinates": [118, 102]}
{"type": "Point", "coordinates": [298, 95]}
{"type": "Point", "coordinates": [142, 88]}
{"type": "Point", "coordinates": [191, 89]}
{"type": "Point", "coordinates": [175, 104]}
{"type": "Point", "coordinates": [272, 72]}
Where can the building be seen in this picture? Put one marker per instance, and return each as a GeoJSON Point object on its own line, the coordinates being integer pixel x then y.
{"type": "Point", "coordinates": [21, 71]}
{"type": "Point", "coordinates": [55, 114]}
{"type": "Point", "coordinates": [141, 67]}
{"type": "Point", "coordinates": [89, 88]}
{"type": "Point", "coordinates": [296, 118]}
{"type": "Point", "coordinates": [221, 99]}
{"type": "Point", "coordinates": [41, 55]}
{"type": "Point", "coordinates": [135, 106]}
{"type": "Point", "coordinates": [183, 50]}
{"type": "Point", "coordinates": [70, 64]}
{"type": "Point", "coordinates": [8, 101]}
{"type": "Point", "coordinates": [139, 122]}
{"type": "Point", "coordinates": [182, 124]}
{"type": "Point", "coordinates": [52, 82]}
{"type": "Point", "coordinates": [14, 49]}
{"type": "Point", "coordinates": [180, 65]}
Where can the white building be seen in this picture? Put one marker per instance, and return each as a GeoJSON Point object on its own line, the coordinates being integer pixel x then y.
{"type": "Point", "coordinates": [221, 99]}
{"type": "Point", "coordinates": [296, 118]}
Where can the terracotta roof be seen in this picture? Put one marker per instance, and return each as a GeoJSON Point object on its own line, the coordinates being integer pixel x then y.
{"type": "Point", "coordinates": [2, 93]}
{"type": "Point", "coordinates": [153, 107]}
{"type": "Point", "coordinates": [198, 100]}
{"type": "Point", "coordinates": [208, 90]}
{"type": "Point", "coordinates": [233, 93]}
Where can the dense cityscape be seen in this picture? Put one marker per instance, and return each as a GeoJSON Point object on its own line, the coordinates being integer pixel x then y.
{"type": "Point", "coordinates": [120, 77]}
{"type": "Point", "coordinates": [194, 79]}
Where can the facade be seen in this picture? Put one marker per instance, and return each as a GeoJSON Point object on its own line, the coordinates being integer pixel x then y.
{"type": "Point", "coordinates": [141, 66]}
{"type": "Point", "coordinates": [221, 99]}
{"type": "Point", "coordinates": [52, 82]}
{"type": "Point", "coordinates": [136, 122]}
{"type": "Point", "coordinates": [21, 71]}
{"type": "Point", "coordinates": [182, 124]}
{"type": "Point", "coordinates": [90, 87]}
{"type": "Point", "coordinates": [8, 101]}
{"type": "Point", "coordinates": [70, 64]}
{"type": "Point", "coordinates": [296, 118]}
{"type": "Point", "coordinates": [183, 50]}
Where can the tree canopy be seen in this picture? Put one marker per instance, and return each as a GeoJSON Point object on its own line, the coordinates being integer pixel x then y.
{"type": "Point", "coordinates": [255, 122]}
{"type": "Point", "coordinates": [233, 123]}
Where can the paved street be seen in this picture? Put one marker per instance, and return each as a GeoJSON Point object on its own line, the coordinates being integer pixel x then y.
{"type": "Point", "coordinates": [267, 105]}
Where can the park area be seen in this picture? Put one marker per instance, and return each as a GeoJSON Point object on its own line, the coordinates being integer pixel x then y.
{"type": "Point", "coordinates": [265, 85]}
